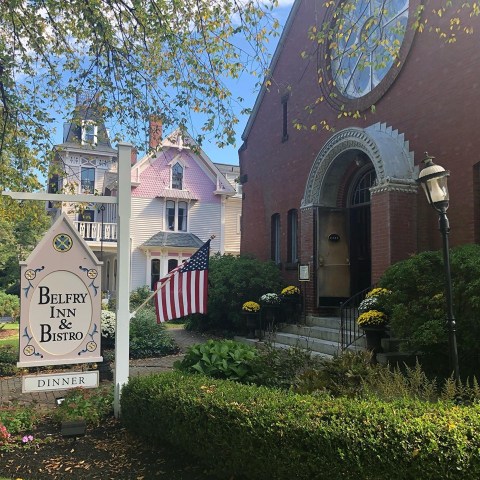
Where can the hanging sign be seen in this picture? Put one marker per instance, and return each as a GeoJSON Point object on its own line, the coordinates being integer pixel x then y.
{"type": "Point", "coordinates": [60, 300]}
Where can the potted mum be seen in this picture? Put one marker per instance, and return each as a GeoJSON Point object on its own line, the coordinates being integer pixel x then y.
{"type": "Point", "coordinates": [373, 318]}
{"type": "Point", "coordinates": [270, 303]}
{"type": "Point", "coordinates": [292, 301]}
{"type": "Point", "coordinates": [251, 311]}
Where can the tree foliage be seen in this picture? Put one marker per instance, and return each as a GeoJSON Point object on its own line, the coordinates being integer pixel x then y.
{"type": "Point", "coordinates": [141, 57]}
{"type": "Point", "coordinates": [22, 224]}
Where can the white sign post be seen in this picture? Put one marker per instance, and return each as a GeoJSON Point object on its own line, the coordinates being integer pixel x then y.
{"type": "Point", "coordinates": [45, 293]}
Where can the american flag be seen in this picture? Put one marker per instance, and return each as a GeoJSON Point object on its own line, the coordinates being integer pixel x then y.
{"type": "Point", "coordinates": [184, 290]}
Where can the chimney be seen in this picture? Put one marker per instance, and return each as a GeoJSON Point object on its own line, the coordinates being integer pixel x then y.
{"type": "Point", "coordinates": [133, 156]}
{"type": "Point", "coordinates": [155, 131]}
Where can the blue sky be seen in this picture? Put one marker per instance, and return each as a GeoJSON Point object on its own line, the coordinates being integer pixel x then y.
{"type": "Point", "coordinates": [245, 88]}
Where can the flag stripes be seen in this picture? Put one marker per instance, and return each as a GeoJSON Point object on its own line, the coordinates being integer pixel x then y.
{"type": "Point", "coordinates": [185, 289]}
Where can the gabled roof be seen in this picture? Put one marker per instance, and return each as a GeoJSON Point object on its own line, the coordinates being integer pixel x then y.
{"type": "Point", "coordinates": [174, 239]}
{"type": "Point", "coordinates": [180, 140]}
{"type": "Point", "coordinates": [273, 63]}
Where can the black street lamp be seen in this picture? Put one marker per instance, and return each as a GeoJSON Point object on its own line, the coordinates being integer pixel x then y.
{"type": "Point", "coordinates": [433, 179]}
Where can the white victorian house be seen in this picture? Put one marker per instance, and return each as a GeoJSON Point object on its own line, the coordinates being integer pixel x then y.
{"type": "Point", "coordinates": [180, 198]}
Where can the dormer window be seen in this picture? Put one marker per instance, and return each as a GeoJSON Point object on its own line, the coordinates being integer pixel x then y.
{"type": "Point", "coordinates": [177, 177]}
{"type": "Point", "coordinates": [89, 132]}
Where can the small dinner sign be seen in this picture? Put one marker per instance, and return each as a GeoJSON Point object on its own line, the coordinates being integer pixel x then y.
{"type": "Point", "coordinates": [60, 300]}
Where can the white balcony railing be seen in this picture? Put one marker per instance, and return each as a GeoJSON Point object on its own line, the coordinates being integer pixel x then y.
{"type": "Point", "coordinates": [96, 232]}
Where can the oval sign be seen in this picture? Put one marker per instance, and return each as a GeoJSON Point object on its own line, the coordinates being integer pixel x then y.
{"type": "Point", "coordinates": [334, 237]}
{"type": "Point", "coordinates": [60, 312]}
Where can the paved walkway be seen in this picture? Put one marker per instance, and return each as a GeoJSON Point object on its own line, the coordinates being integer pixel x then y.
{"type": "Point", "coordinates": [11, 387]}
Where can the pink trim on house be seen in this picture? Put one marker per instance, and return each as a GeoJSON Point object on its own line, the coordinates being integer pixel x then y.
{"type": "Point", "coordinates": [155, 179]}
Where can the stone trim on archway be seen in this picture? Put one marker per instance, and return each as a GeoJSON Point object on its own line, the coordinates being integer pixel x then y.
{"type": "Point", "coordinates": [385, 147]}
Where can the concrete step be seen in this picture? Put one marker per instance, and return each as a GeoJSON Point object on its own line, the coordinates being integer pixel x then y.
{"type": "Point", "coordinates": [328, 322]}
{"type": "Point", "coordinates": [327, 347]}
{"type": "Point", "coordinates": [324, 333]}
{"type": "Point", "coordinates": [319, 334]}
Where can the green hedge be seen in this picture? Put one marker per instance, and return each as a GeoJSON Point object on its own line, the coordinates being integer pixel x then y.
{"type": "Point", "coordinates": [256, 433]}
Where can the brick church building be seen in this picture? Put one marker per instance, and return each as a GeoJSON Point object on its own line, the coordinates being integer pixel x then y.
{"type": "Point", "coordinates": [336, 139]}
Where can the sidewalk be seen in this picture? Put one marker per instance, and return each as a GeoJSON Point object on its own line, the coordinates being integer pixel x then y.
{"type": "Point", "coordinates": [11, 387]}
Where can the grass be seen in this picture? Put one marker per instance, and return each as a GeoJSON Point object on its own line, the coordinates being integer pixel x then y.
{"type": "Point", "coordinates": [10, 339]}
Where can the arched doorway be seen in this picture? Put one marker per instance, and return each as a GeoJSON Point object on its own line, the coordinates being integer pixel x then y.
{"type": "Point", "coordinates": [352, 164]}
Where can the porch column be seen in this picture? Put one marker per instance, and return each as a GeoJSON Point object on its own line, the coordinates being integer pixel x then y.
{"type": "Point", "coordinates": [307, 235]}
{"type": "Point", "coordinates": [393, 224]}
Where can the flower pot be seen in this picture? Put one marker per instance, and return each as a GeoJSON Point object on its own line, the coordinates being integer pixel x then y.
{"type": "Point", "coordinates": [373, 337]}
{"type": "Point", "coordinates": [252, 321]}
{"type": "Point", "coordinates": [271, 315]}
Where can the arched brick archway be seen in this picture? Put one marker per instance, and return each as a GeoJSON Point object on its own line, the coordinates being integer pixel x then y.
{"type": "Point", "coordinates": [392, 206]}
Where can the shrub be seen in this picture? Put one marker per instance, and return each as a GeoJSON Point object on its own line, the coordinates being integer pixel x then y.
{"type": "Point", "coordinates": [253, 432]}
{"type": "Point", "coordinates": [417, 306]}
{"type": "Point", "coordinates": [148, 338]}
{"type": "Point", "coordinates": [278, 367]}
{"type": "Point", "coordinates": [8, 360]}
{"type": "Point", "coordinates": [344, 375]}
{"type": "Point", "coordinates": [9, 305]}
{"type": "Point", "coordinates": [18, 419]}
{"type": "Point", "coordinates": [89, 404]}
{"type": "Point", "coordinates": [137, 297]}
{"type": "Point", "coordinates": [108, 324]}
{"type": "Point", "coordinates": [220, 359]}
{"type": "Point", "coordinates": [233, 281]}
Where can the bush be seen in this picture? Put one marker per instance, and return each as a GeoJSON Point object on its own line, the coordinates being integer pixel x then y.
{"type": "Point", "coordinates": [137, 297]}
{"type": "Point", "coordinates": [220, 359]}
{"type": "Point", "coordinates": [148, 338]}
{"type": "Point", "coordinates": [253, 432]}
{"type": "Point", "coordinates": [88, 404]}
{"type": "Point", "coordinates": [8, 360]}
{"type": "Point", "coordinates": [9, 305]}
{"type": "Point", "coordinates": [234, 280]}
{"type": "Point", "coordinates": [418, 309]}
{"type": "Point", "coordinates": [18, 419]}
{"type": "Point", "coordinates": [108, 324]}
{"type": "Point", "coordinates": [278, 367]}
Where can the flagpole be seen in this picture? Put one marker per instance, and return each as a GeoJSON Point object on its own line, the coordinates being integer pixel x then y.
{"type": "Point", "coordinates": [132, 315]}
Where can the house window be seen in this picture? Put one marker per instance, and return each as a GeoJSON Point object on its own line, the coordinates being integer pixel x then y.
{"type": "Point", "coordinates": [154, 272]}
{"type": "Point", "coordinates": [89, 132]}
{"type": "Point", "coordinates": [285, 117]}
{"type": "Point", "coordinates": [177, 213]}
{"type": "Point", "coordinates": [292, 236]}
{"type": "Point", "coordinates": [177, 176]}
{"type": "Point", "coordinates": [172, 263]}
{"type": "Point", "coordinates": [88, 180]}
{"type": "Point", "coordinates": [86, 216]}
{"type": "Point", "coordinates": [275, 238]}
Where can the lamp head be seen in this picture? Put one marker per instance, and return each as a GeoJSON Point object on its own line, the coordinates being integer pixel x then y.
{"type": "Point", "coordinates": [433, 179]}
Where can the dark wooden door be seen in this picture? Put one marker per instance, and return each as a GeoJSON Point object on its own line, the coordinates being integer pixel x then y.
{"type": "Point", "coordinates": [360, 249]}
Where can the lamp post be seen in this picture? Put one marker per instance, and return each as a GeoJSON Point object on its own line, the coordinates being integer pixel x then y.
{"type": "Point", "coordinates": [433, 179]}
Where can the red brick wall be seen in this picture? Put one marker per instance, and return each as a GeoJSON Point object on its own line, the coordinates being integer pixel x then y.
{"type": "Point", "coordinates": [393, 229]}
{"type": "Point", "coordinates": [434, 102]}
